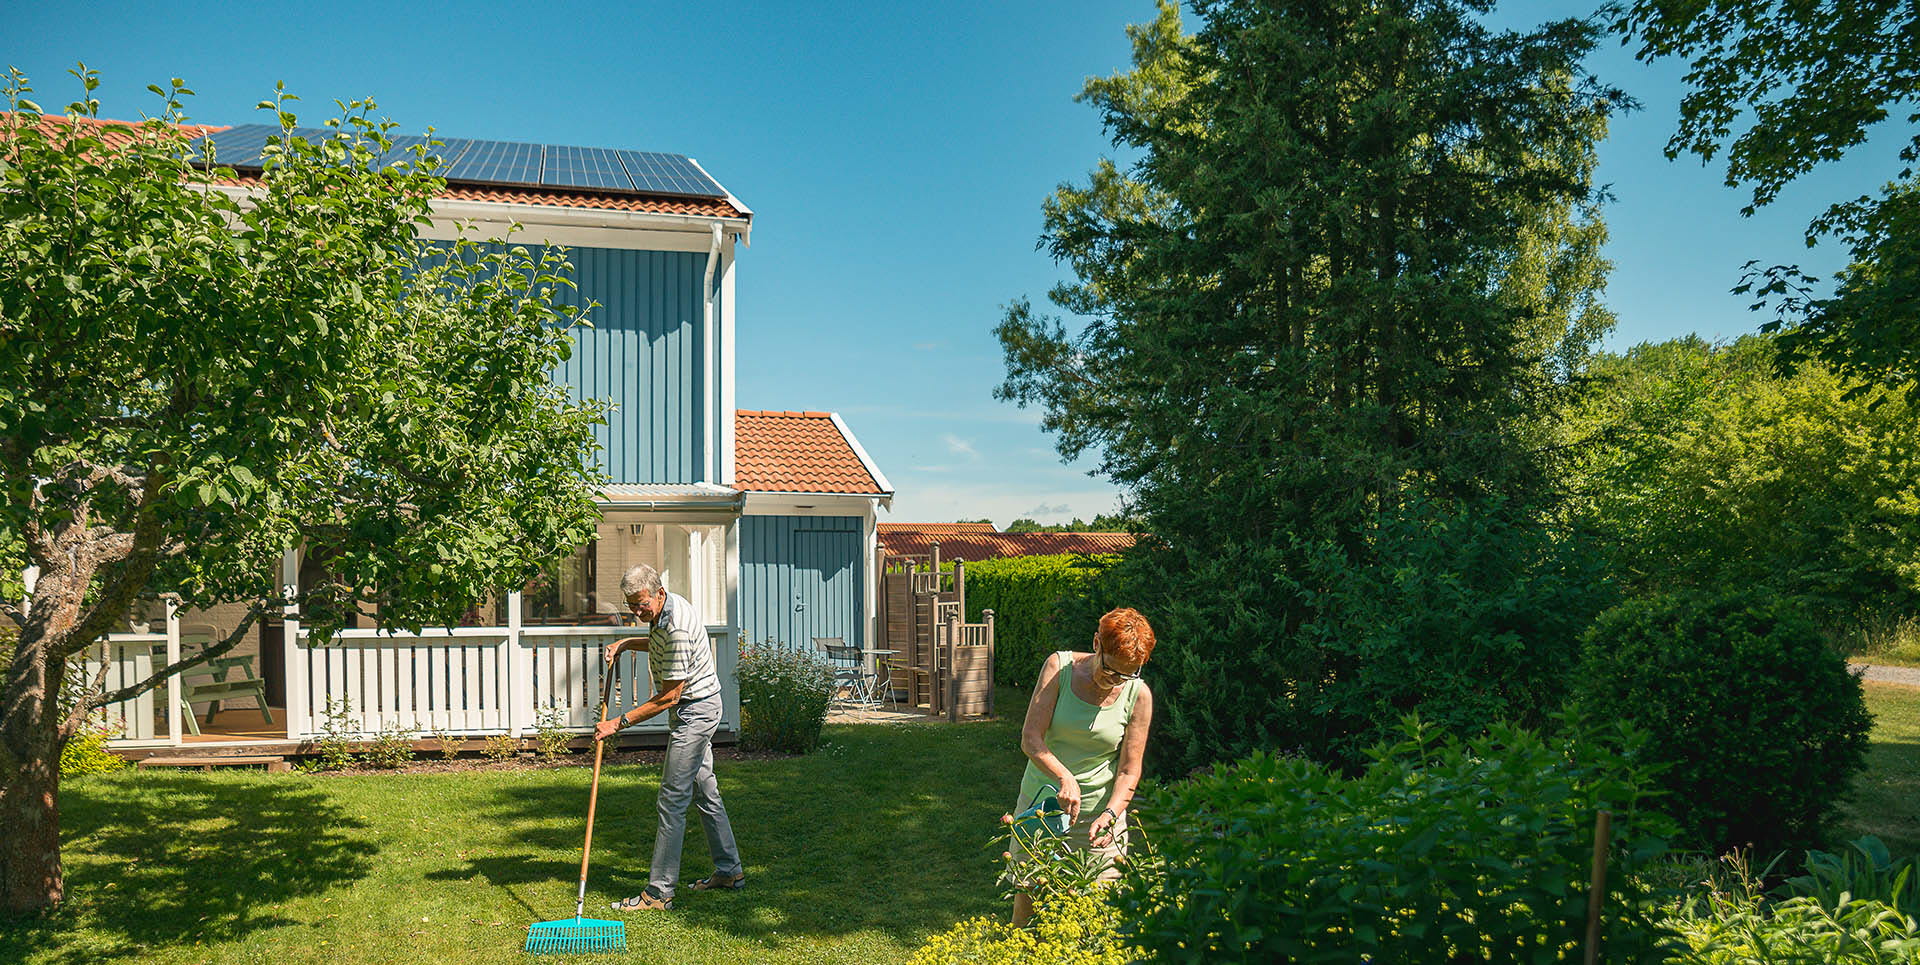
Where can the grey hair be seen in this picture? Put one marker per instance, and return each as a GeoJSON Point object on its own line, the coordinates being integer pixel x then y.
{"type": "Point", "coordinates": [642, 580]}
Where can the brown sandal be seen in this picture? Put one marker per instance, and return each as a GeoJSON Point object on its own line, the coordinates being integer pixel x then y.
{"type": "Point", "coordinates": [643, 901]}
{"type": "Point", "coordinates": [720, 882]}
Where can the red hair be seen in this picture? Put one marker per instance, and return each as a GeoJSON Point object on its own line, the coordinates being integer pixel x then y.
{"type": "Point", "coordinates": [1125, 633]}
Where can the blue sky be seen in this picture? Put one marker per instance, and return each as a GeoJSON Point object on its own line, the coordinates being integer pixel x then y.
{"type": "Point", "coordinates": [895, 156]}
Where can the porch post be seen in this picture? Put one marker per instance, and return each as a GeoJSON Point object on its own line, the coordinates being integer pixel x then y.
{"type": "Point", "coordinates": [519, 671]}
{"type": "Point", "coordinates": [299, 715]}
{"type": "Point", "coordinates": [173, 680]}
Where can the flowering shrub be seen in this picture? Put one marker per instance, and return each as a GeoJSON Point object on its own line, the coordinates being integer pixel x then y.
{"type": "Point", "coordinates": [1067, 929]}
{"type": "Point", "coordinates": [783, 698]}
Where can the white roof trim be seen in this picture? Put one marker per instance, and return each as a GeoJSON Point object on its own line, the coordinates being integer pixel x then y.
{"type": "Point", "coordinates": [879, 478]}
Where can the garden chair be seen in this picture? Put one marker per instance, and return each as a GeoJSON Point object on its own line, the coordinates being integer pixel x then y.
{"type": "Point", "coordinates": [849, 670]}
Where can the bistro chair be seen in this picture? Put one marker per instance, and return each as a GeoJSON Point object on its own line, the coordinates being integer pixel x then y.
{"type": "Point", "coordinates": [849, 670]}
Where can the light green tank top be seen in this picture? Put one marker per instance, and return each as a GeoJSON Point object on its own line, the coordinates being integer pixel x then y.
{"type": "Point", "coordinates": [1086, 739]}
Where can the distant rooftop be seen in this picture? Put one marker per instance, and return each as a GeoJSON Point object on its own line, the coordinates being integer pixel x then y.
{"type": "Point", "coordinates": [974, 542]}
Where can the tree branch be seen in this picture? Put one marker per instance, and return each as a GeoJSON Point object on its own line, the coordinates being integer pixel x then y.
{"type": "Point", "coordinates": [99, 700]}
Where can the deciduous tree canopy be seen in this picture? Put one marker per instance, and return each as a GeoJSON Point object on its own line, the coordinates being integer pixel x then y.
{"type": "Point", "coordinates": [200, 372]}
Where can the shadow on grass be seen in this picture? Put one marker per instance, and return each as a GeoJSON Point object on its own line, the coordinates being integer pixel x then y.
{"type": "Point", "coordinates": [155, 860]}
{"type": "Point", "coordinates": [884, 830]}
{"type": "Point", "coordinates": [1886, 795]}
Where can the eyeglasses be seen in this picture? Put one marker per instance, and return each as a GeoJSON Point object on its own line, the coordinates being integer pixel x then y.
{"type": "Point", "coordinates": [1122, 675]}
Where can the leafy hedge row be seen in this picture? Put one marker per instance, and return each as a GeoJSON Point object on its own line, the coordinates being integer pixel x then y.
{"type": "Point", "coordinates": [1025, 594]}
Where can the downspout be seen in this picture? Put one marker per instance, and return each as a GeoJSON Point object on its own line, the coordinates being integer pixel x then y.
{"type": "Point", "coordinates": [710, 469]}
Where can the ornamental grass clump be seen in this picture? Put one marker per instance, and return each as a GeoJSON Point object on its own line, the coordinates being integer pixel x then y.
{"type": "Point", "coordinates": [784, 696]}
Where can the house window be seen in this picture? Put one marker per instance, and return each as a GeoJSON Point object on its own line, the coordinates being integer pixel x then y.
{"type": "Point", "coordinates": [585, 588]}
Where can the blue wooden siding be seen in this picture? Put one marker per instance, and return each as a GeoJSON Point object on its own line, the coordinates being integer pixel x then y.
{"type": "Point", "coordinates": [644, 354]}
{"type": "Point", "coordinates": [801, 577]}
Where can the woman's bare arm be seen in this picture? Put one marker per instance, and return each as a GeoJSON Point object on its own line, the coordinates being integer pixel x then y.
{"type": "Point", "coordinates": [1133, 748]}
{"type": "Point", "coordinates": [1033, 732]}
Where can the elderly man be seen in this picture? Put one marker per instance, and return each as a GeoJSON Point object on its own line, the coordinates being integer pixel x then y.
{"type": "Point", "coordinates": [680, 659]}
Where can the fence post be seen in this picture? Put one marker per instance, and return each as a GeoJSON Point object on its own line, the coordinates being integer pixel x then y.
{"type": "Point", "coordinates": [953, 670]}
{"type": "Point", "coordinates": [519, 668]}
{"type": "Point", "coordinates": [299, 711]}
{"type": "Point", "coordinates": [993, 667]}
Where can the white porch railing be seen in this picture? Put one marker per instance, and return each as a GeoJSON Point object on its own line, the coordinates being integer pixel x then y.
{"type": "Point", "coordinates": [468, 682]}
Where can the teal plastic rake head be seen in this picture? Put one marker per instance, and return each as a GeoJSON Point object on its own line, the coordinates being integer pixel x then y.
{"type": "Point", "coordinates": [572, 936]}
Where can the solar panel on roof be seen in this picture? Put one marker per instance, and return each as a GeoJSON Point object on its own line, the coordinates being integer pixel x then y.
{"type": "Point", "coordinates": [655, 173]}
{"type": "Point", "coordinates": [501, 162]}
{"type": "Point", "coordinates": [497, 162]}
{"type": "Point", "coordinates": [237, 147]}
{"type": "Point", "coordinates": [584, 167]}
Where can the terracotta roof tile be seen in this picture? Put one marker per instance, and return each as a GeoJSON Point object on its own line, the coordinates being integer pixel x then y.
{"type": "Point", "coordinates": [119, 132]}
{"type": "Point", "coordinates": [797, 452]}
{"type": "Point", "coordinates": [917, 539]}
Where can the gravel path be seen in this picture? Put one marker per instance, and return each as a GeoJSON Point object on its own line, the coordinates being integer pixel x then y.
{"type": "Point", "coordinates": [1890, 675]}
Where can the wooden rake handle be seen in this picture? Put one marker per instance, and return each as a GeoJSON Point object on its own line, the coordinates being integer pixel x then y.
{"type": "Point", "coordinates": [593, 796]}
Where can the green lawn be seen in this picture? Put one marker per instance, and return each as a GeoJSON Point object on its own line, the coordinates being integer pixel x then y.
{"type": "Point", "coordinates": [854, 854]}
{"type": "Point", "coordinates": [1886, 797]}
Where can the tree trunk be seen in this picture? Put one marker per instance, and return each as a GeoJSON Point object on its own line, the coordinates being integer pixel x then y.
{"type": "Point", "coordinates": [30, 875]}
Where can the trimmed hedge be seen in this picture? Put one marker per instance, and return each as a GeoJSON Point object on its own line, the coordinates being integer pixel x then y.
{"type": "Point", "coordinates": [1025, 594]}
{"type": "Point", "coordinates": [1757, 719]}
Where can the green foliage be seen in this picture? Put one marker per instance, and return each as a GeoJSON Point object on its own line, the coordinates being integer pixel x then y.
{"type": "Point", "coordinates": [784, 695]}
{"type": "Point", "coordinates": [391, 748]}
{"type": "Point", "coordinates": [449, 744]}
{"type": "Point", "coordinates": [1862, 870]}
{"type": "Point", "coordinates": [338, 734]}
{"type": "Point", "coordinates": [1726, 920]}
{"type": "Point", "coordinates": [550, 734]}
{"type": "Point", "coordinates": [1704, 467]}
{"type": "Point", "coordinates": [1440, 850]}
{"type": "Point", "coordinates": [1759, 722]}
{"type": "Point", "coordinates": [86, 753]}
{"type": "Point", "coordinates": [1802, 83]}
{"type": "Point", "coordinates": [1026, 594]}
{"type": "Point", "coordinates": [1065, 930]}
{"type": "Point", "coordinates": [1331, 434]}
{"type": "Point", "coordinates": [500, 748]}
{"type": "Point", "coordinates": [1044, 865]}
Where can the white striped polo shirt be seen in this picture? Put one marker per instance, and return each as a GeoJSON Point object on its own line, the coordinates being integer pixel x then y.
{"type": "Point", "coordinates": [678, 649]}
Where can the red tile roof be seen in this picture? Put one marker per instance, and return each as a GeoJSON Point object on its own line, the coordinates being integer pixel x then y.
{"type": "Point", "coordinates": [119, 132]}
{"type": "Point", "coordinates": [917, 539]}
{"type": "Point", "coordinates": [797, 452]}
{"type": "Point", "coordinates": [936, 528]}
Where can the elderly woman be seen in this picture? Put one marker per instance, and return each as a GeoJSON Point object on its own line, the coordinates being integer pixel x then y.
{"type": "Point", "coordinates": [1085, 732]}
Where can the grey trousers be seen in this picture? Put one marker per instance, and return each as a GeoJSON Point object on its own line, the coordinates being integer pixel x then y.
{"type": "Point", "coordinates": [688, 778]}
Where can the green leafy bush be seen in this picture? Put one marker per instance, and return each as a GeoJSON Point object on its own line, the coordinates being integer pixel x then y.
{"type": "Point", "coordinates": [1026, 594]}
{"type": "Point", "coordinates": [392, 747]}
{"type": "Point", "coordinates": [1760, 723]}
{"type": "Point", "coordinates": [1727, 920]}
{"type": "Point", "coordinates": [1066, 929]}
{"type": "Point", "coordinates": [1715, 469]}
{"type": "Point", "coordinates": [86, 753]}
{"type": "Point", "coordinates": [783, 698]}
{"type": "Point", "coordinates": [1863, 870]}
{"type": "Point", "coordinates": [550, 734]}
{"type": "Point", "coordinates": [1440, 850]}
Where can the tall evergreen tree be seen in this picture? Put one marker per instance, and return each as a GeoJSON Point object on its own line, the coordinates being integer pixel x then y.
{"type": "Point", "coordinates": [1315, 360]}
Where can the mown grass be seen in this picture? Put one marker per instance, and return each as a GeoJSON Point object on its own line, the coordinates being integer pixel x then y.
{"type": "Point", "coordinates": [1886, 796]}
{"type": "Point", "coordinates": [856, 853]}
